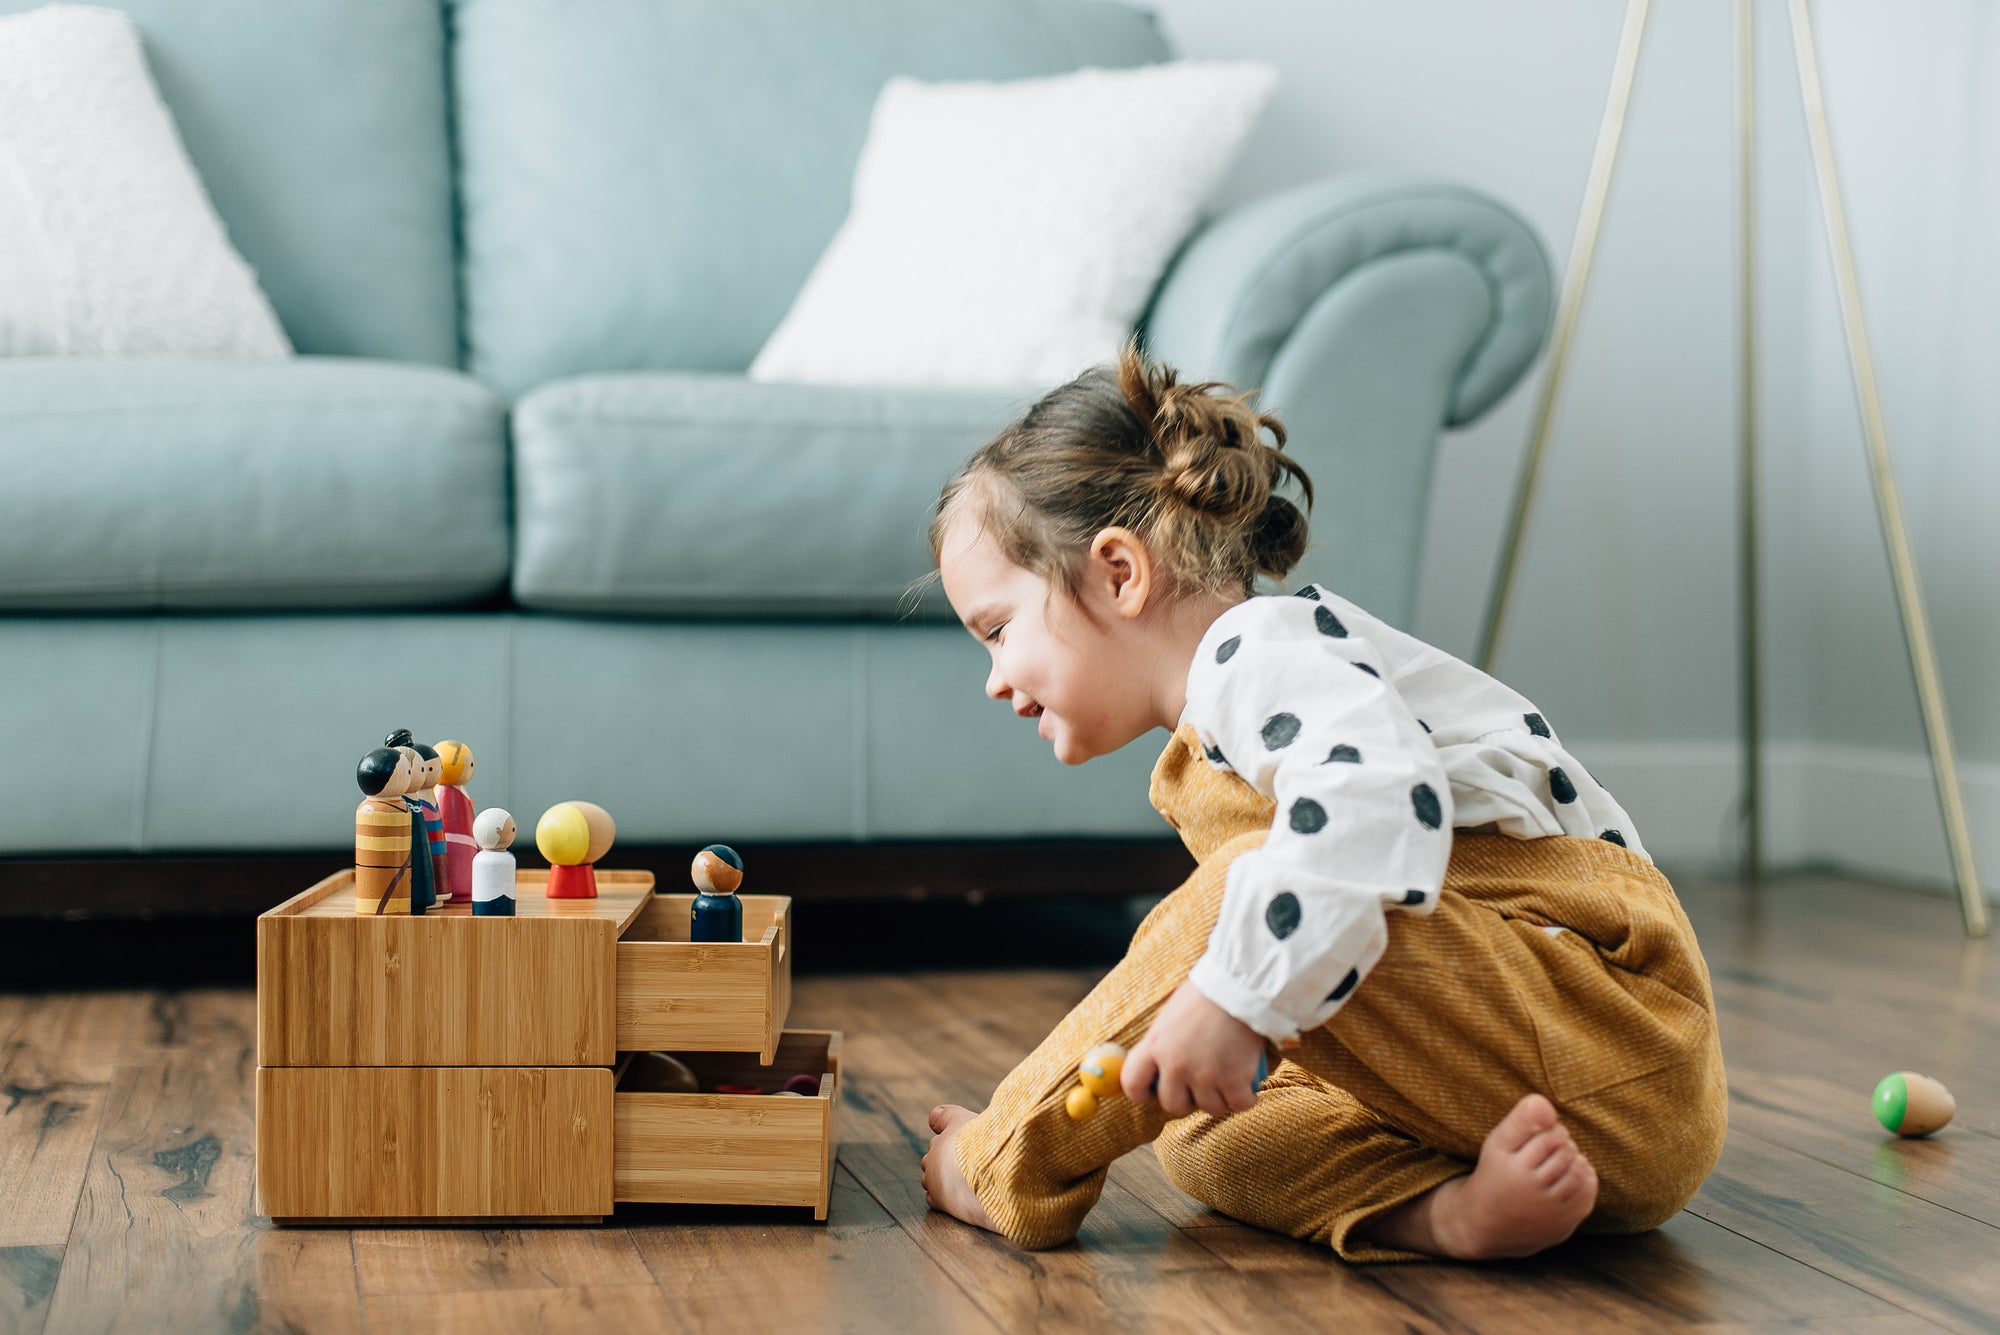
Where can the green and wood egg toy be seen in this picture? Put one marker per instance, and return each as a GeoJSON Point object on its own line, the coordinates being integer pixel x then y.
{"type": "Point", "coordinates": [1913, 1105]}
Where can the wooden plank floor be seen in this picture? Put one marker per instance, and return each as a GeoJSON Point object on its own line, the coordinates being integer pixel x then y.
{"type": "Point", "coordinates": [126, 1180]}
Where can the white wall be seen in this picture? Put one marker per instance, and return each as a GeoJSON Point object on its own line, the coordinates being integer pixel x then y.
{"type": "Point", "coordinates": [1625, 621]}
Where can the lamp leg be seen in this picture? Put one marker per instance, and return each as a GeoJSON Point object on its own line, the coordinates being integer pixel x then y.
{"type": "Point", "coordinates": [1575, 279]}
{"type": "Point", "coordinates": [1748, 662]}
{"type": "Point", "coordinates": [1888, 505]}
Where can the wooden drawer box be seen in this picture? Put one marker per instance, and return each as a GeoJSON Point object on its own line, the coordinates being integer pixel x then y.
{"type": "Point", "coordinates": [444, 1067]}
{"type": "Point", "coordinates": [433, 1142]}
{"type": "Point", "coordinates": [731, 1149]}
{"type": "Point", "coordinates": [678, 996]}
{"type": "Point", "coordinates": [566, 982]}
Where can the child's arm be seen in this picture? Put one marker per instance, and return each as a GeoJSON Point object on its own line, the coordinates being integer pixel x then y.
{"type": "Point", "coordinates": [1297, 706]}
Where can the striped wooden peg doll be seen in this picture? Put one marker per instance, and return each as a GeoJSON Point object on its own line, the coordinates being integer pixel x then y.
{"type": "Point", "coordinates": [493, 866]}
{"type": "Point", "coordinates": [382, 833]}
{"type": "Point", "coordinates": [426, 873]}
{"type": "Point", "coordinates": [456, 809]}
{"type": "Point", "coordinates": [573, 836]}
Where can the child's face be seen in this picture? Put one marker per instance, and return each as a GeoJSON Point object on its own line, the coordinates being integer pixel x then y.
{"type": "Point", "coordinates": [1055, 660]}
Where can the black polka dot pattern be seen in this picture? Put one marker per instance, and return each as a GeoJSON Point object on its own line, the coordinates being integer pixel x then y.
{"type": "Point", "coordinates": [1215, 753]}
{"type": "Point", "coordinates": [1227, 649]}
{"type": "Point", "coordinates": [1425, 726]}
{"type": "Point", "coordinates": [1342, 755]}
{"type": "Point", "coordinates": [1369, 670]}
{"type": "Point", "coordinates": [1308, 816]}
{"type": "Point", "coordinates": [1425, 799]}
{"type": "Point", "coordinates": [1536, 724]}
{"type": "Point", "coordinates": [1309, 592]}
{"type": "Point", "coordinates": [1411, 897]}
{"type": "Point", "coordinates": [1347, 984]}
{"type": "Point", "coordinates": [1281, 915]}
{"type": "Point", "coordinates": [1613, 837]}
{"type": "Point", "coordinates": [1328, 623]}
{"type": "Point", "coordinates": [1280, 730]}
{"type": "Point", "coordinates": [1560, 787]}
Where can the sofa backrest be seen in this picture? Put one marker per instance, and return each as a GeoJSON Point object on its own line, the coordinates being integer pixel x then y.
{"type": "Point", "coordinates": [644, 184]}
{"type": "Point", "coordinates": [319, 129]}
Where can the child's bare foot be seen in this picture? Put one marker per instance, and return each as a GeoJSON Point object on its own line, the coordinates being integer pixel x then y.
{"type": "Point", "coordinates": [945, 1187]}
{"type": "Point", "coordinates": [1530, 1190]}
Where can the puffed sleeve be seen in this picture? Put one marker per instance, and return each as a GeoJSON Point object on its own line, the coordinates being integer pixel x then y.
{"type": "Point", "coordinates": [1281, 693]}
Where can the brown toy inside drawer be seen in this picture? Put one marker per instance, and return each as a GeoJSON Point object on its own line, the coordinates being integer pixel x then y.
{"type": "Point", "coordinates": [731, 1149]}
{"type": "Point", "coordinates": [676, 995]}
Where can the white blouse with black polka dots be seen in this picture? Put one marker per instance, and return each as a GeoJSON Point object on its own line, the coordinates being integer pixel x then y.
{"type": "Point", "coordinates": [1375, 746]}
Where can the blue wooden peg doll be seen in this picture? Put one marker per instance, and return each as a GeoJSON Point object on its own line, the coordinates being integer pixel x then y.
{"type": "Point", "coordinates": [717, 913]}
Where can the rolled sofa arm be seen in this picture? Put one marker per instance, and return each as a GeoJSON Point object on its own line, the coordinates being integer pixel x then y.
{"type": "Point", "coordinates": [1246, 282]}
{"type": "Point", "coordinates": [1370, 313]}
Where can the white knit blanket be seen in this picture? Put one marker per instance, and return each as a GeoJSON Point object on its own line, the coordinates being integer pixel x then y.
{"type": "Point", "coordinates": [108, 242]}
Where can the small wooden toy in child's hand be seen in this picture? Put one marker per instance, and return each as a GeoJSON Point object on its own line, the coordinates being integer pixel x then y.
{"type": "Point", "coordinates": [1100, 1071]}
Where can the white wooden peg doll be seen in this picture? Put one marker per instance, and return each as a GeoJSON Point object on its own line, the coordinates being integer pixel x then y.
{"type": "Point", "coordinates": [493, 865]}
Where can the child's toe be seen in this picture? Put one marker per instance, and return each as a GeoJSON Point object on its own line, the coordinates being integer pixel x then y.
{"type": "Point", "coordinates": [1527, 1119]}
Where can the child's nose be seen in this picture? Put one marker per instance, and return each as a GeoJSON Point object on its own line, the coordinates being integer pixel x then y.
{"type": "Point", "coordinates": [996, 685]}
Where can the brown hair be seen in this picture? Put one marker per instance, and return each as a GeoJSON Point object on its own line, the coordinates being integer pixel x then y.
{"type": "Point", "coordinates": [1185, 467]}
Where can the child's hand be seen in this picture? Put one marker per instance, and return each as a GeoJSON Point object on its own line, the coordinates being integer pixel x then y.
{"type": "Point", "coordinates": [1202, 1056]}
{"type": "Point", "coordinates": [945, 1187]}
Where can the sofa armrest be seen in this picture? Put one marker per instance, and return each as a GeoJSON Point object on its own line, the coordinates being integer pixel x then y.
{"type": "Point", "coordinates": [1248, 281]}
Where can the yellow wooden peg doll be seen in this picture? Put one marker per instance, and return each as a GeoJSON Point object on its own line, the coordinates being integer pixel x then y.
{"type": "Point", "coordinates": [382, 843]}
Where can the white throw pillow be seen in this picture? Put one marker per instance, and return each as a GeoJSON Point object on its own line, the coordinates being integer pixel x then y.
{"type": "Point", "coordinates": [111, 246]}
{"type": "Point", "coordinates": [1011, 233]}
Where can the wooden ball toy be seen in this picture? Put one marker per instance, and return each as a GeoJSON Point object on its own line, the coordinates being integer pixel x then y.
{"type": "Point", "coordinates": [573, 836]}
{"type": "Point", "coordinates": [1910, 1104]}
{"type": "Point", "coordinates": [1099, 1072]}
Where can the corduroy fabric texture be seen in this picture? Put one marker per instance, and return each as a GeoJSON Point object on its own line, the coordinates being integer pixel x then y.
{"type": "Point", "coordinates": [1471, 1008]}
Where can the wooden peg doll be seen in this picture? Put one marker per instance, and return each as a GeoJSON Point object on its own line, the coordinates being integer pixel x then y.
{"type": "Point", "coordinates": [493, 866]}
{"type": "Point", "coordinates": [382, 833]}
{"type": "Point", "coordinates": [573, 836]}
{"type": "Point", "coordinates": [426, 826]}
{"type": "Point", "coordinates": [455, 807]}
{"type": "Point", "coordinates": [717, 914]}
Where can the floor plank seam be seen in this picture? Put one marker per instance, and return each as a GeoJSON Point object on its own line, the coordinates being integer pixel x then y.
{"type": "Point", "coordinates": [1838, 1279]}
{"type": "Point", "coordinates": [1862, 1177]}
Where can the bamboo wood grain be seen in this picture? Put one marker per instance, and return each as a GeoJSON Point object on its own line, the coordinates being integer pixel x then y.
{"type": "Point", "coordinates": [675, 995]}
{"type": "Point", "coordinates": [443, 988]}
{"type": "Point", "coordinates": [410, 1142]}
{"type": "Point", "coordinates": [732, 1149]}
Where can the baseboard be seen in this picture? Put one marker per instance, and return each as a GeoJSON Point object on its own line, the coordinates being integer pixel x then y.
{"type": "Point", "coordinates": [1864, 812]}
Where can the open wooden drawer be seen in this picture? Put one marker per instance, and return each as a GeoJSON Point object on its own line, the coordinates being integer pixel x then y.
{"type": "Point", "coordinates": [731, 1149]}
{"type": "Point", "coordinates": [675, 995]}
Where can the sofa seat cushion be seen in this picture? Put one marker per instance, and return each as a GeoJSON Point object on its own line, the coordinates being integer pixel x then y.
{"type": "Point", "coordinates": [713, 495]}
{"type": "Point", "coordinates": [310, 483]}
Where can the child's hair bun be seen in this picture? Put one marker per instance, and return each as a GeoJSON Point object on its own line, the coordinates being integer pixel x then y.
{"type": "Point", "coordinates": [1187, 467]}
{"type": "Point", "coordinates": [1215, 463]}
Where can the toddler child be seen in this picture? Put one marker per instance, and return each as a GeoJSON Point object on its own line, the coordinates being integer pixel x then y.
{"type": "Point", "coordinates": [1493, 1022]}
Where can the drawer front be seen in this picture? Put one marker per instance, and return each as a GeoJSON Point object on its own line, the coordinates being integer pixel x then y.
{"type": "Point", "coordinates": [675, 995]}
{"type": "Point", "coordinates": [361, 1142]}
{"type": "Point", "coordinates": [733, 1149]}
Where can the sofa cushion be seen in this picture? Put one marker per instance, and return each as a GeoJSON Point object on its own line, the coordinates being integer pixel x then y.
{"type": "Point", "coordinates": [714, 495]}
{"type": "Point", "coordinates": [313, 483]}
{"type": "Point", "coordinates": [318, 127]}
{"type": "Point", "coordinates": [646, 183]}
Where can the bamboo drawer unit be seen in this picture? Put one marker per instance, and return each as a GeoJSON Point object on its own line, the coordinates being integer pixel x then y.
{"type": "Point", "coordinates": [444, 1067]}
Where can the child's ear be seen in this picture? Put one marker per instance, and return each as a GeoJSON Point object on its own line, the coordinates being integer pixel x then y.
{"type": "Point", "coordinates": [1125, 569]}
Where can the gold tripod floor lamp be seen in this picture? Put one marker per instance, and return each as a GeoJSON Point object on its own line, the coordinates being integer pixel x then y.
{"type": "Point", "coordinates": [1889, 507]}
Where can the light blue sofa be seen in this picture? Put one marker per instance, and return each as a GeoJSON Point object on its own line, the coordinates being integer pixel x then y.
{"type": "Point", "coordinates": [516, 490]}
